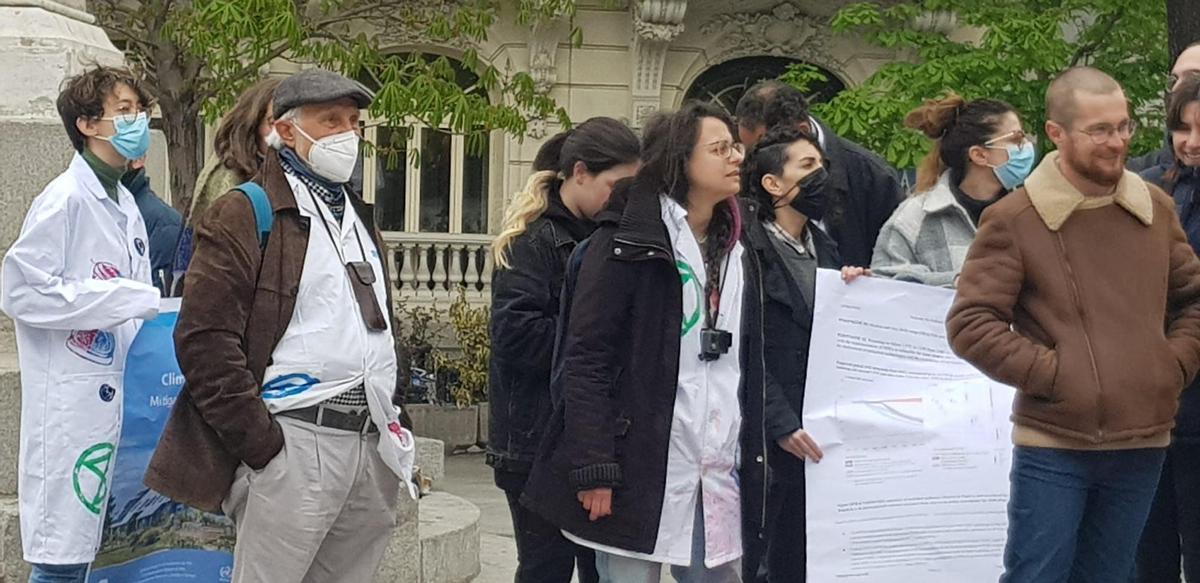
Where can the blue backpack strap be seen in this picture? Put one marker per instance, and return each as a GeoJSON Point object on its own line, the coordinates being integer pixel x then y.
{"type": "Point", "coordinates": [264, 215]}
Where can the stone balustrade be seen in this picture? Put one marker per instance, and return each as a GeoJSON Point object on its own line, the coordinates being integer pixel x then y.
{"type": "Point", "coordinates": [430, 267]}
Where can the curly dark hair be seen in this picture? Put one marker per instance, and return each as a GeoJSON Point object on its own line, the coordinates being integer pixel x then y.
{"type": "Point", "coordinates": [83, 96]}
{"type": "Point", "coordinates": [769, 156]}
{"type": "Point", "coordinates": [668, 142]}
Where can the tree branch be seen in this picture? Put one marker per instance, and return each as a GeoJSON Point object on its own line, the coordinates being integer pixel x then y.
{"type": "Point", "coordinates": [209, 91]}
{"type": "Point", "coordinates": [1105, 27]}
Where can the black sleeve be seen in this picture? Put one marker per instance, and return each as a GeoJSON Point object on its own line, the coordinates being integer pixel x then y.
{"type": "Point", "coordinates": [780, 419]}
{"type": "Point", "coordinates": [599, 321]}
{"type": "Point", "coordinates": [523, 321]}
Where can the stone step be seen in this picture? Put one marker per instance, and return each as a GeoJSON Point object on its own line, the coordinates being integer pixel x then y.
{"type": "Point", "coordinates": [431, 458]}
{"type": "Point", "coordinates": [449, 528]}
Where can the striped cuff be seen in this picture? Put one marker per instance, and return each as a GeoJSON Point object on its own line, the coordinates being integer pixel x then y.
{"type": "Point", "coordinates": [596, 476]}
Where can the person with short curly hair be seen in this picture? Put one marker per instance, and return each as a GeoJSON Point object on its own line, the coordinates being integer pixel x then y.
{"type": "Point", "coordinates": [77, 283]}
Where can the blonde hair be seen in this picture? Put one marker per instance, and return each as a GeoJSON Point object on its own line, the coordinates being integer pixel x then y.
{"type": "Point", "coordinates": [524, 208]}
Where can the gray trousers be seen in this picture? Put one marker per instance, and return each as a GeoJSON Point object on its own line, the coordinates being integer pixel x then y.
{"type": "Point", "coordinates": [322, 511]}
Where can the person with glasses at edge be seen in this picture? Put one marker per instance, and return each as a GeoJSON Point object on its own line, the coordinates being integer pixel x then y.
{"type": "Point", "coordinates": [77, 283]}
{"type": "Point", "coordinates": [661, 370]}
{"type": "Point", "coordinates": [1082, 292]}
{"type": "Point", "coordinates": [980, 153]}
{"type": "Point", "coordinates": [1186, 65]}
{"type": "Point", "coordinates": [1173, 529]}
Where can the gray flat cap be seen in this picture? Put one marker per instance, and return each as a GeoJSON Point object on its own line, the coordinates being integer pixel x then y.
{"type": "Point", "coordinates": [318, 86]}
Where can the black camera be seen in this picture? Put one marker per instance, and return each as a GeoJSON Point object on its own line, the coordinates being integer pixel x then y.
{"type": "Point", "coordinates": [714, 343]}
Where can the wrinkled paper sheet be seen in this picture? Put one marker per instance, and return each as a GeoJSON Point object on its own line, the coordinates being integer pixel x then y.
{"type": "Point", "coordinates": [917, 443]}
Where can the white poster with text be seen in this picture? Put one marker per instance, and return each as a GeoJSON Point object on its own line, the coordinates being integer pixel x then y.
{"type": "Point", "coordinates": [914, 482]}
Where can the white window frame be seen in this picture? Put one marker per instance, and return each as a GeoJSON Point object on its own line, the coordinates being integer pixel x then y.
{"type": "Point", "coordinates": [412, 184]}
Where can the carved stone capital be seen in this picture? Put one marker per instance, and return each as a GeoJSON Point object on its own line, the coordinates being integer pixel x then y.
{"type": "Point", "coordinates": [784, 31]}
{"type": "Point", "coordinates": [655, 24]}
{"type": "Point", "coordinates": [658, 20]}
{"type": "Point", "coordinates": [543, 53]}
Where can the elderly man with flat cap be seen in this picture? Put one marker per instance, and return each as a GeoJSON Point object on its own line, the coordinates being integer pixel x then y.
{"type": "Point", "coordinates": [286, 421]}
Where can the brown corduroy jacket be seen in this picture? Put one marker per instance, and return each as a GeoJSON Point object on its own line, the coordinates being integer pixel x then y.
{"type": "Point", "coordinates": [1093, 314]}
{"type": "Point", "coordinates": [237, 304]}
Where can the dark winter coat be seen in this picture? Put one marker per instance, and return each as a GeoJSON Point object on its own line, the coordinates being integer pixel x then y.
{"type": "Point", "coordinates": [163, 224]}
{"type": "Point", "coordinates": [1186, 192]}
{"type": "Point", "coordinates": [620, 364]}
{"type": "Point", "coordinates": [788, 326]}
{"type": "Point", "coordinates": [525, 307]}
{"type": "Point", "coordinates": [864, 190]}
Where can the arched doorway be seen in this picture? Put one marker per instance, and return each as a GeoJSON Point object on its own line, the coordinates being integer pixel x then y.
{"type": "Point", "coordinates": [725, 83]}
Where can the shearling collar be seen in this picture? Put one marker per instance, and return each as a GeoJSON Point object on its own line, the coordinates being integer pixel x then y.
{"type": "Point", "coordinates": [1055, 199]}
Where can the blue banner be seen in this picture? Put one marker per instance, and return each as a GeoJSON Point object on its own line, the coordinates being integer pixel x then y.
{"type": "Point", "coordinates": [148, 537]}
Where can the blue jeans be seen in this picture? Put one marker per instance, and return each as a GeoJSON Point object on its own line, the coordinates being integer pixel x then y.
{"type": "Point", "coordinates": [58, 573]}
{"type": "Point", "coordinates": [618, 569]}
{"type": "Point", "coordinates": [1076, 516]}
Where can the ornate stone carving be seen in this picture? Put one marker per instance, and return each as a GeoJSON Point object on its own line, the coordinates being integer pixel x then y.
{"type": "Point", "coordinates": [655, 24]}
{"type": "Point", "coordinates": [783, 31]}
{"type": "Point", "coordinates": [536, 128]}
{"type": "Point", "coordinates": [543, 53]}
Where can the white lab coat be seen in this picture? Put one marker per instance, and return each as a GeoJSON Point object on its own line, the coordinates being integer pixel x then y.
{"type": "Point", "coordinates": [702, 459]}
{"type": "Point", "coordinates": [77, 283]}
{"type": "Point", "coordinates": [304, 371]}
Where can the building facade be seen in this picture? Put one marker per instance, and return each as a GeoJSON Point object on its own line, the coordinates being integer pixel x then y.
{"type": "Point", "coordinates": [440, 209]}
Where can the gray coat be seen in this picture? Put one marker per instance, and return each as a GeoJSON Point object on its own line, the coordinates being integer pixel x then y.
{"type": "Point", "coordinates": [926, 240]}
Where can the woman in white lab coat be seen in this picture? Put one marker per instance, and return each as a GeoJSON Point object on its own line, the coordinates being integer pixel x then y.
{"type": "Point", "coordinates": [77, 283]}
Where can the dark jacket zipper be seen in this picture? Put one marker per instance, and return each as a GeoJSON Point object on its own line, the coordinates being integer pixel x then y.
{"type": "Point", "coordinates": [1087, 338]}
{"type": "Point", "coordinates": [762, 359]}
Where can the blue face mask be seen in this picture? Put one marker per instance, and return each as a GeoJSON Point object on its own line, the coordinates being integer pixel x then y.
{"type": "Point", "coordinates": [1013, 173]}
{"type": "Point", "coordinates": [132, 139]}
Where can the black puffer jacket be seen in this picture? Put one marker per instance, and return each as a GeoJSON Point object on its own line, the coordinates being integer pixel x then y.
{"type": "Point", "coordinates": [525, 306]}
{"type": "Point", "coordinates": [620, 372]}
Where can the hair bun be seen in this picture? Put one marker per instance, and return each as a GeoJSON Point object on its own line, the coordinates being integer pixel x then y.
{"type": "Point", "coordinates": [936, 116]}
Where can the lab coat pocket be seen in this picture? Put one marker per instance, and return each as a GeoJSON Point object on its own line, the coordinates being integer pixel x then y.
{"type": "Point", "coordinates": [82, 429]}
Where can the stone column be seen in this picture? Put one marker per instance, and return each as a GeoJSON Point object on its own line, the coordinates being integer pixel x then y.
{"type": "Point", "coordinates": [43, 43]}
{"type": "Point", "coordinates": [655, 24]}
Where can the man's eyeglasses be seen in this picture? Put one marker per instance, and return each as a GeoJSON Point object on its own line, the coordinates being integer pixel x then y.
{"type": "Point", "coordinates": [1103, 133]}
{"type": "Point", "coordinates": [725, 148]}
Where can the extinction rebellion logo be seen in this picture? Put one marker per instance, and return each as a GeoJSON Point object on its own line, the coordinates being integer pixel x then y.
{"type": "Point", "coordinates": [90, 476]}
{"type": "Point", "coordinates": [693, 296]}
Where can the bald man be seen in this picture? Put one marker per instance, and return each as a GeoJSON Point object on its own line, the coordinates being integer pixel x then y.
{"type": "Point", "coordinates": [1187, 64]}
{"type": "Point", "coordinates": [1081, 291]}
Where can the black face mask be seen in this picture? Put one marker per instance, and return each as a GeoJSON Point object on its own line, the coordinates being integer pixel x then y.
{"type": "Point", "coordinates": [813, 199]}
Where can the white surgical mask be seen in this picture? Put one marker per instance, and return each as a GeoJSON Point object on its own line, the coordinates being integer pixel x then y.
{"type": "Point", "coordinates": [333, 157]}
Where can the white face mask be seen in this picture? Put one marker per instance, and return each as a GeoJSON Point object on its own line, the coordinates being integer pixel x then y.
{"type": "Point", "coordinates": [333, 157]}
